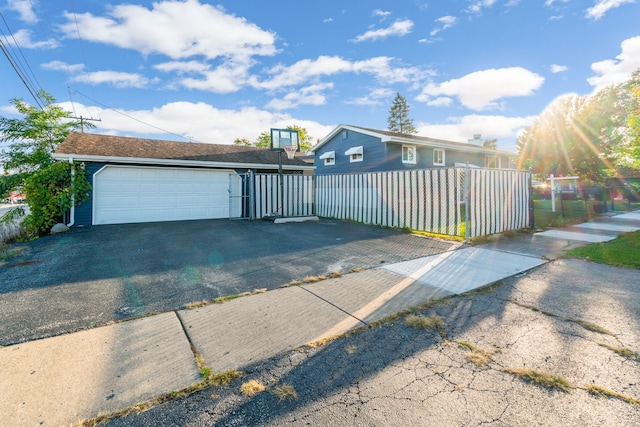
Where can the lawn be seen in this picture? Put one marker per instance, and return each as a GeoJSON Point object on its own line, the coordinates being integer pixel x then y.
{"type": "Point", "coordinates": [623, 251]}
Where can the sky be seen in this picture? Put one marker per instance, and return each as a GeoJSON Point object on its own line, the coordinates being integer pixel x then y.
{"type": "Point", "coordinates": [205, 71]}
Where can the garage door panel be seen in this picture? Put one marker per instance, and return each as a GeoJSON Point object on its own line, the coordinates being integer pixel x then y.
{"type": "Point", "coordinates": [139, 194]}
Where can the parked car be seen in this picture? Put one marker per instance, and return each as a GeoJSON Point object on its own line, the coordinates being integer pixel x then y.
{"type": "Point", "coordinates": [16, 197]}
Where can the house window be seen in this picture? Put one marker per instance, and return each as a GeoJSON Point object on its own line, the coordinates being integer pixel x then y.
{"type": "Point", "coordinates": [492, 162]}
{"type": "Point", "coordinates": [438, 157]}
{"type": "Point", "coordinates": [329, 158]}
{"type": "Point", "coordinates": [355, 154]}
{"type": "Point", "coordinates": [409, 154]}
{"type": "Point", "coordinates": [345, 135]}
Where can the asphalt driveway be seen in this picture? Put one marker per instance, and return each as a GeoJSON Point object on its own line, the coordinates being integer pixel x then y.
{"type": "Point", "coordinates": [94, 275]}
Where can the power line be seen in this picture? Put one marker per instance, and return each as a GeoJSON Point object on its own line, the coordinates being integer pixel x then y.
{"type": "Point", "coordinates": [133, 118]}
{"type": "Point", "coordinates": [34, 89]}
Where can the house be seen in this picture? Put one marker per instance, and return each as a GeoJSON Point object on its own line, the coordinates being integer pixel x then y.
{"type": "Point", "coordinates": [351, 149]}
{"type": "Point", "coordinates": [147, 180]}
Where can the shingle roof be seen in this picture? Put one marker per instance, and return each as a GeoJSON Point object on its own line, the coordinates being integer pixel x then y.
{"type": "Point", "coordinates": [87, 144]}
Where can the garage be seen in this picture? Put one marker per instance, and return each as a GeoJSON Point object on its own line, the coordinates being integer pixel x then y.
{"type": "Point", "coordinates": [128, 194]}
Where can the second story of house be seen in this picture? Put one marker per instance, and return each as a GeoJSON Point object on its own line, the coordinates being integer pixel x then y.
{"type": "Point", "coordinates": [353, 149]}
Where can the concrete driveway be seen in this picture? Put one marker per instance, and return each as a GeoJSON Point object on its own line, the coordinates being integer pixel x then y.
{"type": "Point", "coordinates": [94, 275]}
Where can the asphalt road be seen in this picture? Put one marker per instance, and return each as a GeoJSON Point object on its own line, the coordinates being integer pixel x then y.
{"type": "Point", "coordinates": [93, 275]}
{"type": "Point", "coordinates": [564, 318]}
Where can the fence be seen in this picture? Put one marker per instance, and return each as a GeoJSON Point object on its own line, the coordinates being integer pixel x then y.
{"type": "Point", "coordinates": [453, 201]}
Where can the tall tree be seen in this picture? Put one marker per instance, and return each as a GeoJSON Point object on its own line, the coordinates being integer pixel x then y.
{"type": "Point", "coordinates": [490, 143]}
{"type": "Point", "coordinates": [242, 141]}
{"type": "Point", "coordinates": [51, 187]}
{"type": "Point", "coordinates": [399, 120]}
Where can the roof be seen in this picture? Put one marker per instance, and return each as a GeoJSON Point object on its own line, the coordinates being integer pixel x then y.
{"type": "Point", "coordinates": [396, 137]}
{"type": "Point", "coordinates": [121, 149]}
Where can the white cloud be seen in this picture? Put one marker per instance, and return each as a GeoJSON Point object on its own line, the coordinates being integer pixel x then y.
{"type": "Point", "coordinates": [177, 29]}
{"type": "Point", "coordinates": [382, 13]}
{"type": "Point", "coordinates": [310, 95]}
{"type": "Point", "coordinates": [444, 22]}
{"type": "Point", "coordinates": [613, 71]}
{"type": "Point", "coordinates": [300, 72]}
{"type": "Point", "coordinates": [555, 68]}
{"type": "Point", "coordinates": [374, 98]}
{"type": "Point", "coordinates": [480, 90]}
{"type": "Point", "coordinates": [601, 7]}
{"type": "Point", "coordinates": [461, 129]}
{"type": "Point", "coordinates": [550, 3]}
{"type": "Point", "coordinates": [114, 78]}
{"type": "Point", "coordinates": [477, 6]}
{"type": "Point", "coordinates": [24, 9]}
{"type": "Point", "coordinates": [183, 67]}
{"type": "Point", "coordinates": [443, 101]}
{"type": "Point", "coordinates": [62, 66]}
{"type": "Point", "coordinates": [23, 39]}
{"type": "Point", "coordinates": [398, 28]}
{"type": "Point", "coordinates": [186, 118]}
{"type": "Point", "coordinates": [327, 20]}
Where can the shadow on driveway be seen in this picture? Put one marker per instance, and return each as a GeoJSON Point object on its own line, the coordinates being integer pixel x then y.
{"type": "Point", "coordinates": [93, 275]}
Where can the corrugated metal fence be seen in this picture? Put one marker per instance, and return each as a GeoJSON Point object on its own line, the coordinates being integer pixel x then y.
{"type": "Point", "coordinates": [467, 202]}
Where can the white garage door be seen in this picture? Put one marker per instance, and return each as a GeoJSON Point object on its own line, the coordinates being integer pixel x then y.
{"type": "Point", "coordinates": [123, 194]}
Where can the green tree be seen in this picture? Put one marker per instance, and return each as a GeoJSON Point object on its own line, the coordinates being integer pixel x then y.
{"type": "Point", "coordinates": [264, 140]}
{"type": "Point", "coordinates": [242, 141]}
{"type": "Point", "coordinates": [399, 120]}
{"type": "Point", "coordinates": [490, 143]}
{"type": "Point", "coordinates": [633, 120]}
{"type": "Point", "coordinates": [30, 164]}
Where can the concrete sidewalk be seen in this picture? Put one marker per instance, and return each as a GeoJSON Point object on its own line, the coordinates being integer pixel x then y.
{"type": "Point", "coordinates": [66, 379]}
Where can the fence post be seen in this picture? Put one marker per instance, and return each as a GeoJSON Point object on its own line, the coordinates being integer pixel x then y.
{"type": "Point", "coordinates": [466, 191]}
{"type": "Point", "coordinates": [532, 221]}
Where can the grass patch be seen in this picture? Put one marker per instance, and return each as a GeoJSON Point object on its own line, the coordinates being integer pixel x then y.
{"type": "Point", "coordinates": [220, 300]}
{"type": "Point", "coordinates": [251, 388]}
{"type": "Point", "coordinates": [484, 290]}
{"type": "Point", "coordinates": [624, 352]}
{"type": "Point", "coordinates": [219, 380]}
{"type": "Point", "coordinates": [599, 391]}
{"type": "Point", "coordinates": [285, 392]}
{"type": "Point", "coordinates": [432, 321]}
{"type": "Point", "coordinates": [477, 356]}
{"type": "Point", "coordinates": [440, 236]}
{"type": "Point", "coordinates": [543, 379]}
{"type": "Point", "coordinates": [623, 251]}
{"type": "Point", "coordinates": [7, 253]}
{"type": "Point", "coordinates": [530, 307]}
{"type": "Point", "coordinates": [591, 327]}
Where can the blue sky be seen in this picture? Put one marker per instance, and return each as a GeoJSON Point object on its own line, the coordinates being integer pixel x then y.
{"type": "Point", "coordinates": [216, 71]}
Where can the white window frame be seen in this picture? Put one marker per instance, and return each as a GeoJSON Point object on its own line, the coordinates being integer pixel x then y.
{"type": "Point", "coordinates": [435, 151]}
{"type": "Point", "coordinates": [356, 154]}
{"type": "Point", "coordinates": [329, 158]}
{"type": "Point", "coordinates": [330, 161]}
{"type": "Point", "coordinates": [409, 148]}
{"type": "Point", "coordinates": [496, 161]}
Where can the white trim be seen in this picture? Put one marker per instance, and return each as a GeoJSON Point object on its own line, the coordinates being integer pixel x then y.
{"type": "Point", "coordinates": [443, 157]}
{"type": "Point", "coordinates": [328, 155]}
{"type": "Point", "coordinates": [356, 157]}
{"type": "Point", "coordinates": [410, 147]}
{"type": "Point", "coordinates": [353, 150]}
{"type": "Point", "coordinates": [175, 162]}
{"type": "Point", "coordinates": [330, 161]}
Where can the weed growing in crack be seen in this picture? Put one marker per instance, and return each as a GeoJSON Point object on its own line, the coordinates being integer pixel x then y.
{"type": "Point", "coordinates": [591, 327]}
{"type": "Point", "coordinates": [432, 321]}
{"type": "Point", "coordinates": [599, 391]}
{"type": "Point", "coordinates": [543, 379]}
{"type": "Point", "coordinates": [285, 392]}
{"type": "Point", "coordinates": [251, 388]}
{"type": "Point", "coordinates": [351, 349]}
{"type": "Point", "coordinates": [624, 352]}
{"type": "Point", "coordinates": [477, 356]}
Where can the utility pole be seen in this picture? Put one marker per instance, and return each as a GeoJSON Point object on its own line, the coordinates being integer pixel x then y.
{"type": "Point", "coordinates": [82, 120]}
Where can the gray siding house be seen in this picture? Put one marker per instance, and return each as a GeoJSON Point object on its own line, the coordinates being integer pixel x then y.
{"type": "Point", "coordinates": [353, 149]}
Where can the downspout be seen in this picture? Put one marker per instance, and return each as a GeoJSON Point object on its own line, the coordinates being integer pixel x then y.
{"type": "Point", "coordinates": [72, 211]}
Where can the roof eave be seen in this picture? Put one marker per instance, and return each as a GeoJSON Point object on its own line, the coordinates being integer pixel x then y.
{"type": "Point", "coordinates": [175, 162]}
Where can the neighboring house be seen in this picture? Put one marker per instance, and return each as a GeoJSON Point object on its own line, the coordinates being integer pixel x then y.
{"type": "Point", "coordinates": [147, 180]}
{"type": "Point", "coordinates": [350, 149]}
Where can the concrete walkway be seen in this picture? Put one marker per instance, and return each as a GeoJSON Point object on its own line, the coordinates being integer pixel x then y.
{"type": "Point", "coordinates": [69, 378]}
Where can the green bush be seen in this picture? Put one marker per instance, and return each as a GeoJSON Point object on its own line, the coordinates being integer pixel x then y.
{"type": "Point", "coordinates": [51, 191]}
